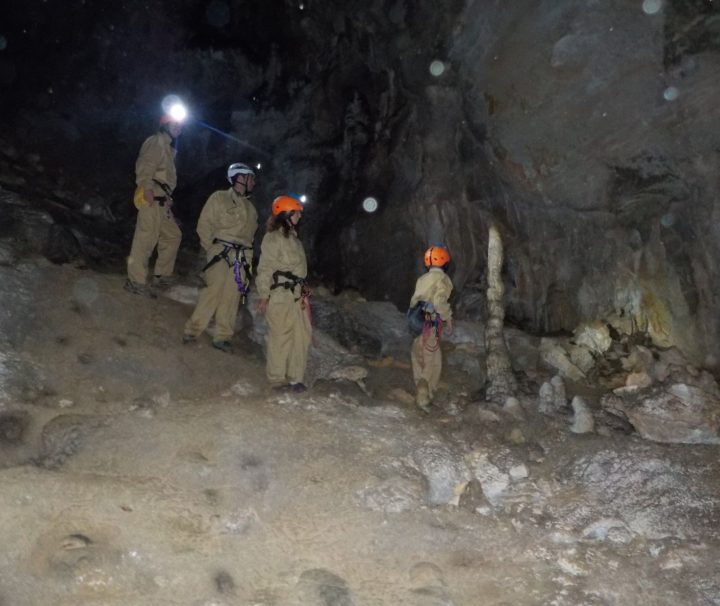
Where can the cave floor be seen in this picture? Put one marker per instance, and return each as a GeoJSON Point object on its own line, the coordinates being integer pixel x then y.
{"type": "Point", "coordinates": [136, 470]}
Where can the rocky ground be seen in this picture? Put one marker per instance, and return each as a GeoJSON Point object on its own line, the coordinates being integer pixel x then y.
{"type": "Point", "coordinates": [136, 470]}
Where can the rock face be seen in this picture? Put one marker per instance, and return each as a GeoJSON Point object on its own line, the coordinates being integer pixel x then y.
{"type": "Point", "coordinates": [586, 134]}
{"type": "Point", "coordinates": [676, 413]}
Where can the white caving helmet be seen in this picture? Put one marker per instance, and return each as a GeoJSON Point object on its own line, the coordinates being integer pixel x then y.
{"type": "Point", "coordinates": [238, 169]}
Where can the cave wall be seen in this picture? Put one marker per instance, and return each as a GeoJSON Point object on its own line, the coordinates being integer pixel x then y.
{"type": "Point", "coordinates": [583, 129]}
{"type": "Point", "coordinates": [613, 178]}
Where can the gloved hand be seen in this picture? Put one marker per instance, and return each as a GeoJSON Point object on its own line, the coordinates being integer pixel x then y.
{"type": "Point", "coordinates": [143, 197]}
{"type": "Point", "coordinates": [139, 197]}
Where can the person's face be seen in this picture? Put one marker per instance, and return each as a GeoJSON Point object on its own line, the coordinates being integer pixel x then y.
{"type": "Point", "coordinates": [295, 217]}
{"type": "Point", "coordinates": [245, 183]}
{"type": "Point", "coordinates": [174, 128]}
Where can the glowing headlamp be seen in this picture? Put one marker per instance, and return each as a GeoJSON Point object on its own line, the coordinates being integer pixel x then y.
{"type": "Point", "coordinates": [178, 112]}
{"type": "Point", "coordinates": [174, 108]}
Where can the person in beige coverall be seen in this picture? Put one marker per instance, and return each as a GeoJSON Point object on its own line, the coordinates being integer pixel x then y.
{"type": "Point", "coordinates": [156, 179]}
{"type": "Point", "coordinates": [434, 289]}
{"type": "Point", "coordinates": [283, 296]}
{"type": "Point", "coordinates": [226, 227]}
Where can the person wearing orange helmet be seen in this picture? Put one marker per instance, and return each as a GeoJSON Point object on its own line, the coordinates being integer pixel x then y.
{"type": "Point", "coordinates": [226, 227]}
{"type": "Point", "coordinates": [282, 293]}
{"type": "Point", "coordinates": [432, 291]}
{"type": "Point", "coordinates": [156, 179]}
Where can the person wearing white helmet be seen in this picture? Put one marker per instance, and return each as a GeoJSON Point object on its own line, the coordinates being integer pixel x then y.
{"type": "Point", "coordinates": [156, 179]}
{"type": "Point", "coordinates": [226, 227]}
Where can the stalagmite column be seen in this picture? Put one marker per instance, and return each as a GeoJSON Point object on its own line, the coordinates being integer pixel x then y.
{"type": "Point", "coordinates": [501, 381]}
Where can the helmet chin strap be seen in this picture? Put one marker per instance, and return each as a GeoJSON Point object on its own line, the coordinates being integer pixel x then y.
{"type": "Point", "coordinates": [245, 187]}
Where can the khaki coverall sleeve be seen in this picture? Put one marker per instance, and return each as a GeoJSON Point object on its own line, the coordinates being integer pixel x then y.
{"type": "Point", "coordinates": [440, 299]}
{"type": "Point", "coordinates": [149, 159]}
{"type": "Point", "coordinates": [269, 261]}
{"type": "Point", "coordinates": [416, 296]}
{"type": "Point", "coordinates": [207, 224]}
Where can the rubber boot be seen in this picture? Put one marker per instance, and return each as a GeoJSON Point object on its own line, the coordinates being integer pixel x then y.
{"type": "Point", "coordinates": [422, 397]}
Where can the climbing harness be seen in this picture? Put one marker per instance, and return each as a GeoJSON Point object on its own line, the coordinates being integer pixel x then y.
{"type": "Point", "coordinates": [234, 255]}
{"type": "Point", "coordinates": [166, 201]}
{"type": "Point", "coordinates": [290, 283]}
{"type": "Point", "coordinates": [425, 322]}
{"type": "Point", "coordinates": [168, 192]}
{"type": "Point", "coordinates": [423, 319]}
{"type": "Point", "coordinates": [416, 318]}
{"type": "Point", "coordinates": [431, 327]}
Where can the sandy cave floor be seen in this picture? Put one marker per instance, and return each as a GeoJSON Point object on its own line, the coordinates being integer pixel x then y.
{"type": "Point", "coordinates": [138, 471]}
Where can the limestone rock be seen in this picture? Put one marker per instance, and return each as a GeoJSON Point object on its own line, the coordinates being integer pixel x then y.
{"type": "Point", "coordinates": [320, 587]}
{"type": "Point", "coordinates": [493, 480]}
{"type": "Point", "coordinates": [595, 336]}
{"type": "Point", "coordinates": [608, 529]}
{"type": "Point", "coordinates": [552, 396]}
{"type": "Point", "coordinates": [581, 357]}
{"type": "Point", "coordinates": [640, 359]}
{"type": "Point", "coordinates": [559, 394]}
{"type": "Point", "coordinates": [500, 378]}
{"type": "Point", "coordinates": [472, 497]}
{"type": "Point", "coordinates": [444, 472]}
{"type": "Point", "coordinates": [546, 399]}
{"type": "Point", "coordinates": [393, 495]}
{"type": "Point", "coordinates": [62, 437]}
{"type": "Point", "coordinates": [555, 356]}
{"type": "Point", "coordinates": [488, 416]}
{"type": "Point", "coordinates": [583, 421]}
{"type": "Point", "coordinates": [639, 379]}
{"type": "Point", "coordinates": [512, 407]}
{"type": "Point", "coordinates": [354, 374]}
{"type": "Point", "coordinates": [652, 496]}
{"type": "Point", "coordinates": [678, 413]}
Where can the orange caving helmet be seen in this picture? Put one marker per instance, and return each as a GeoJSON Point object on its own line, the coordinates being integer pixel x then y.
{"type": "Point", "coordinates": [437, 256]}
{"type": "Point", "coordinates": [285, 204]}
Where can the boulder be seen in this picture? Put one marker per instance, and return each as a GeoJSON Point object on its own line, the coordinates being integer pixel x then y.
{"type": "Point", "coordinates": [595, 336]}
{"type": "Point", "coordinates": [674, 413]}
{"type": "Point", "coordinates": [557, 357]}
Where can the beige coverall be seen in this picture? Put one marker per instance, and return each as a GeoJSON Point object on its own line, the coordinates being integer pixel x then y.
{"type": "Point", "coordinates": [230, 217]}
{"type": "Point", "coordinates": [289, 329]}
{"type": "Point", "coordinates": [155, 224]}
{"type": "Point", "coordinates": [433, 287]}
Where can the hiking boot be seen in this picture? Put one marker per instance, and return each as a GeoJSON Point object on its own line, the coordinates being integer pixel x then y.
{"type": "Point", "coordinates": [297, 387]}
{"type": "Point", "coordinates": [187, 339]}
{"type": "Point", "coordinates": [225, 346]}
{"type": "Point", "coordinates": [139, 289]}
{"type": "Point", "coordinates": [164, 281]}
{"type": "Point", "coordinates": [422, 397]}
